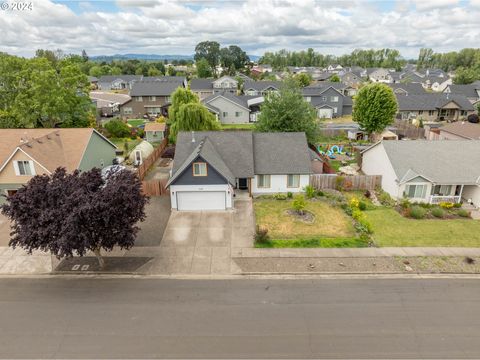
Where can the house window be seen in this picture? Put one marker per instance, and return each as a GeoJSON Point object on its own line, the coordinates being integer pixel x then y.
{"type": "Point", "coordinates": [168, 99]}
{"type": "Point", "coordinates": [238, 113]}
{"type": "Point", "coordinates": [444, 190]}
{"type": "Point", "coordinates": [431, 112]}
{"type": "Point", "coordinates": [263, 181]}
{"type": "Point", "coordinates": [23, 168]}
{"type": "Point", "coordinates": [152, 98]}
{"type": "Point", "coordinates": [225, 114]}
{"type": "Point", "coordinates": [420, 112]}
{"type": "Point", "coordinates": [335, 110]}
{"type": "Point", "coordinates": [309, 98]}
{"type": "Point", "coordinates": [139, 99]}
{"type": "Point", "coordinates": [416, 191]}
{"type": "Point", "coordinates": [324, 98]}
{"type": "Point", "coordinates": [199, 169]}
{"type": "Point", "coordinates": [293, 181]}
{"type": "Point", "coordinates": [127, 110]}
{"type": "Point", "coordinates": [334, 99]}
{"type": "Point", "coordinates": [463, 113]}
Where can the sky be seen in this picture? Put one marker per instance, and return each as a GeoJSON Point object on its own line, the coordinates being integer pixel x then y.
{"type": "Point", "coordinates": [166, 27]}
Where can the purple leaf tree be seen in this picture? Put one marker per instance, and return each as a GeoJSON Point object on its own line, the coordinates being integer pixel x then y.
{"type": "Point", "coordinates": [71, 213]}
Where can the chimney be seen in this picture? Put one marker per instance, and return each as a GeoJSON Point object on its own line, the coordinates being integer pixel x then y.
{"type": "Point", "coordinates": [193, 136]}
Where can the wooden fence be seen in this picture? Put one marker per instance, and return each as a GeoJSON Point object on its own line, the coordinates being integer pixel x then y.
{"type": "Point", "coordinates": [408, 130]}
{"type": "Point", "coordinates": [347, 182]}
{"type": "Point", "coordinates": [150, 160]}
{"type": "Point", "coordinates": [155, 187]}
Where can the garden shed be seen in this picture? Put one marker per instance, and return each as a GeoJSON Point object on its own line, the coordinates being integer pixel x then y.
{"type": "Point", "coordinates": [140, 152]}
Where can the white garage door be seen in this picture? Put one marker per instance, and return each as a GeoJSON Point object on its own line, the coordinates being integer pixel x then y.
{"type": "Point", "coordinates": [325, 113]}
{"type": "Point", "coordinates": [201, 200]}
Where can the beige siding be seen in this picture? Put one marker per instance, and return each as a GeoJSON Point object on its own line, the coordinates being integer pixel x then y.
{"type": "Point", "coordinates": [8, 176]}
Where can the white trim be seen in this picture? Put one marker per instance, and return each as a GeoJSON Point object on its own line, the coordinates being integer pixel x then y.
{"type": "Point", "coordinates": [233, 102]}
{"type": "Point", "coordinates": [13, 154]}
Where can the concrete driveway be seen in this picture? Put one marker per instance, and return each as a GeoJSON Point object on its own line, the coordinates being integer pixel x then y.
{"type": "Point", "coordinates": [201, 242]}
{"type": "Point", "coordinates": [151, 230]}
{"type": "Point", "coordinates": [4, 231]}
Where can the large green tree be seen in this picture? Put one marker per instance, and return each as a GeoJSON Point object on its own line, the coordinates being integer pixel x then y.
{"type": "Point", "coordinates": [375, 107]}
{"type": "Point", "coordinates": [203, 69]}
{"type": "Point", "coordinates": [287, 111]}
{"type": "Point", "coordinates": [210, 51]}
{"type": "Point", "coordinates": [186, 113]}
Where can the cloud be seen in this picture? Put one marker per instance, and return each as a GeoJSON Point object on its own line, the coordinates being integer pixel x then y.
{"type": "Point", "coordinates": [174, 27]}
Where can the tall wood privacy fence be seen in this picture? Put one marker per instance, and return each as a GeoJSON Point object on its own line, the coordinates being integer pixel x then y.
{"type": "Point", "coordinates": [150, 160]}
{"type": "Point", "coordinates": [155, 187]}
{"type": "Point", "coordinates": [347, 182]}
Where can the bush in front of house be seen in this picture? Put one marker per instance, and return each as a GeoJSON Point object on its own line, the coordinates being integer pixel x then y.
{"type": "Point", "coordinates": [405, 203]}
{"type": "Point", "coordinates": [280, 196]}
{"type": "Point", "coordinates": [289, 195]}
{"type": "Point", "coordinates": [463, 213]}
{"type": "Point", "coordinates": [261, 235]}
{"type": "Point", "coordinates": [117, 128]}
{"type": "Point", "coordinates": [417, 212]}
{"type": "Point", "coordinates": [446, 205]}
{"type": "Point", "coordinates": [438, 212]}
{"type": "Point", "coordinates": [320, 193]}
{"type": "Point", "coordinates": [362, 205]}
{"type": "Point", "coordinates": [385, 198]}
{"type": "Point", "coordinates": [457, 205]}
{"type": "Point", "coordinates": [299, 204]}
{"type": "Point", "coordinates": [310, 191]}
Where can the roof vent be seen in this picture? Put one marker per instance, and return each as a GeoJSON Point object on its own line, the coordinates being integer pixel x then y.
{"type": "Point", "coordinates": [193, 136]}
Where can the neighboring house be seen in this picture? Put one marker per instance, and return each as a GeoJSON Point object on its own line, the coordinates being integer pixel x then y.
{"type": "Point", "coordinates": [255, 88]}
{"type": "Point", "coordinates": [433, 107]}
{"type": "Point", "coordinates": [351, 79]}
{"type": "Point", "coordinates": [408, 89]}
{"type": "Point", "coordinates": [329, 102]}
{"type": "Point", "coordinates": [379, 75]}
{"type": "Point", "coordinates": [211, 167]}
{"type": "Point", "coordinates": [460, 130]}
{"type": "Point", "coordinates": [436, 83]}
{"type": "Point", "coordinates": [233, 109]}
{"type": "Point", "coordinates": [203, 88]}
{"type": "Point", "coordinates": [471, 91]}
{"type": "Point", "coordinates": [345, 89]}
{"type": "Point", "coordinates": [225, 84]}
{"type": "Point", "coordinates": [154, 132]}
{"type": "Point", "coordinates": [150, 97]}
{"type": "Point", "coordinates": [28, 152]}
{"type": "Point", "coordinates": [108, 104]}
{"type": "Point", "coordinates": [117, 82]}
{"type": "Point", "coordinates": [334, 68]}
{"type": "Point", "coordinates": [427, 171]}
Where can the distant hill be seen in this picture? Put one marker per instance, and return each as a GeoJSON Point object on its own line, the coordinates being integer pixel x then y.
{"type": "Point", "coordinates": [150, 57]}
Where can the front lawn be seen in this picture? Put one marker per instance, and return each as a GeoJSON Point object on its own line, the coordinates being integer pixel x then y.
{"type": "Point", "coordinates": [136, 122]}
{"type": "Point", "coordinates": [331, 227]}
{"type": "Point", "coordinates": [392, 229]}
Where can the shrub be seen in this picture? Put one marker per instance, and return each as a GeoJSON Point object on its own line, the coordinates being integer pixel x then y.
{"type": "Point", "coordinates": [357, 214]}
{"type": "Point", "coordinates": [320, 193]}
{"type": "Point", "coordinates": [261, 235]}
{"type": "Point", "coordinates": [363, 227]}
{"type": "Point", "coordinates": [368, 194]}
{"type": "Point", "coordinates": [309, 191]}
{"type": "Point", "coordinates": [446, 205]}
{"type": "Point", "coordinates": [348, 210]}
{"type": "Point", "coordinates": [417, 212]}
{"type": "Point", "coordinates": [289, 195]}
{"type": "Point", "coordinates": [362, 205]}
{"type": "Point", "coordinates": [339, 182]}
{"type": "Point", "coordinates": [385, 199]}
{"type": "Point", "coordinates": [457, 205]}
{"type": "Point", "coordinates": [299, 204]}
{"type": "Point", "coordinates": [280, 197]}
{"type": "Point", "coordinates": [438, 212]}
{"type": "Point", "coordinates": [463, 213]}
{"type": "Point", "coordinates": [405, 203]}
{"type": "Point", "coordinates": [354, 203]}
{"type": "Point", "coordinates": [117, 128]}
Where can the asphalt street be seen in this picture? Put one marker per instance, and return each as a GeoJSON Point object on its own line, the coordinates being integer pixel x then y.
{"type": "Point", "coordinates": [153, 318]}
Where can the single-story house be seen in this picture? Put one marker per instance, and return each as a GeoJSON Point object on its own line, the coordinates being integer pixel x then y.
{"type": "Point", "coordinates": [471, 91]}
{"type": "Point", "coordinates": [407, 89]}
{"type": "Point", "coordinates": [211, 167]}
{"type": "Point", "coordinates": [426, 171]}
{"type": "Point", "coordinates": [154, 131]}
{"type": "Point", "coordinates": [433, 107]}
{"type": "Point", "coordinates": [233, 109]}
{"type": "Point", "coordinates": [28, 152]}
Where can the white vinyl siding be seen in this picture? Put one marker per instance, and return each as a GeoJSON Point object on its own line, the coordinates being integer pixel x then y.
{"type": "Point", "coordinates": [263, 181]}
{"type": "Point", "coordinates": [293, 181]}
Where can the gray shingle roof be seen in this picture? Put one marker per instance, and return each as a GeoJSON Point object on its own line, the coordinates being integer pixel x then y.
{"type": "Point", "coordinates": [154, 88]}
{"type": "Point", "coordinates": [126, 78]}
{"type": "Point", "coordinates": [281, 153]}
{"type": "Point", "coordinates": [431, 101]}
{"type": "Point", "coordinates": [261, 85]}
{"type": "Point", "coordinates": [239, 100]}
{"type": "Point", "coordinates": [242, 154]}
{"type": "Point", "coordinates": [464, 129]}
{"type": "Point", "coordinates": [201, 84]}
{"type": "Point", "coordinates": [442, 162]}
{"type": "Point", "coordinates": [411, 88]}
{"type": "Point", "coordinates": [318, 88]}
{"type": "Point", "coordinates": [469, 90]}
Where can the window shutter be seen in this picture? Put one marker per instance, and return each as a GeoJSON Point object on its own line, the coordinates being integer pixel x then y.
{"type": "Point", "coordinates": [15, 166]}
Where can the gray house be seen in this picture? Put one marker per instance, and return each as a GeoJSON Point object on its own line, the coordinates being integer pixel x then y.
{"type": "Point", "coordinates": [233, 109]}
{"type": "Point", "coordinates": [329, 102]}
{"type": "Point", "coordinates": [408, 89]}
{"type": "Point", "coordinates": [211, 167]}
{"type": "Point", "coordinates": [117, 82]}
{"type": "Point", "coordinates": [255, 88]}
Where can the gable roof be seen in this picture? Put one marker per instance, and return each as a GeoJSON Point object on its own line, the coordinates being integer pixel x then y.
{"type": "Point", "coordinates": [242, 154]}
{"type": "Point", "coordinates": [125, 78]}
{"type": "Point", "coordinates": [110, 97]}
{"type": "Point", "coordinates": [469, 90]}
{"type": "Point", "coordinates": [154, 88]}
{"type": "Point", "coordinates": [431, 101]}
{"type": "Point", "coordinates": [437, 161]}
{"type": "Point", "coordinates": [464, 129]}
{"type": "Point", "coordinates": [410, 88]}
{"type": "Point", "coordinates": [154, 126]}
{"type": "Point", "coordinates": [261, 85]}
{"type": "Point", "coordinates": [51, 148]}
{"type": "Point", "coordinates": [238, 100]}
{"type": "Point", "coordinates": [201, 84]}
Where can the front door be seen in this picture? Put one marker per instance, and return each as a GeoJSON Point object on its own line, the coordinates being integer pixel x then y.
{"type": "Point", "coordinates": [242, 184]}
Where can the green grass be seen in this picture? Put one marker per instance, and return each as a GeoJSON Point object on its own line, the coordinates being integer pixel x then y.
{"type": "Point", "coordinates": [135, 122]}
{"type": "Point", "coordinates": [392, 229]}
{"type": "Point", "coordinates": [119, 142]}
{"type": "Point", "coordinates": [237, 126]}
{"type": "Point", "coordinates": [331, 228]}
{"type": "Point", "coordinates": [313, 243]}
